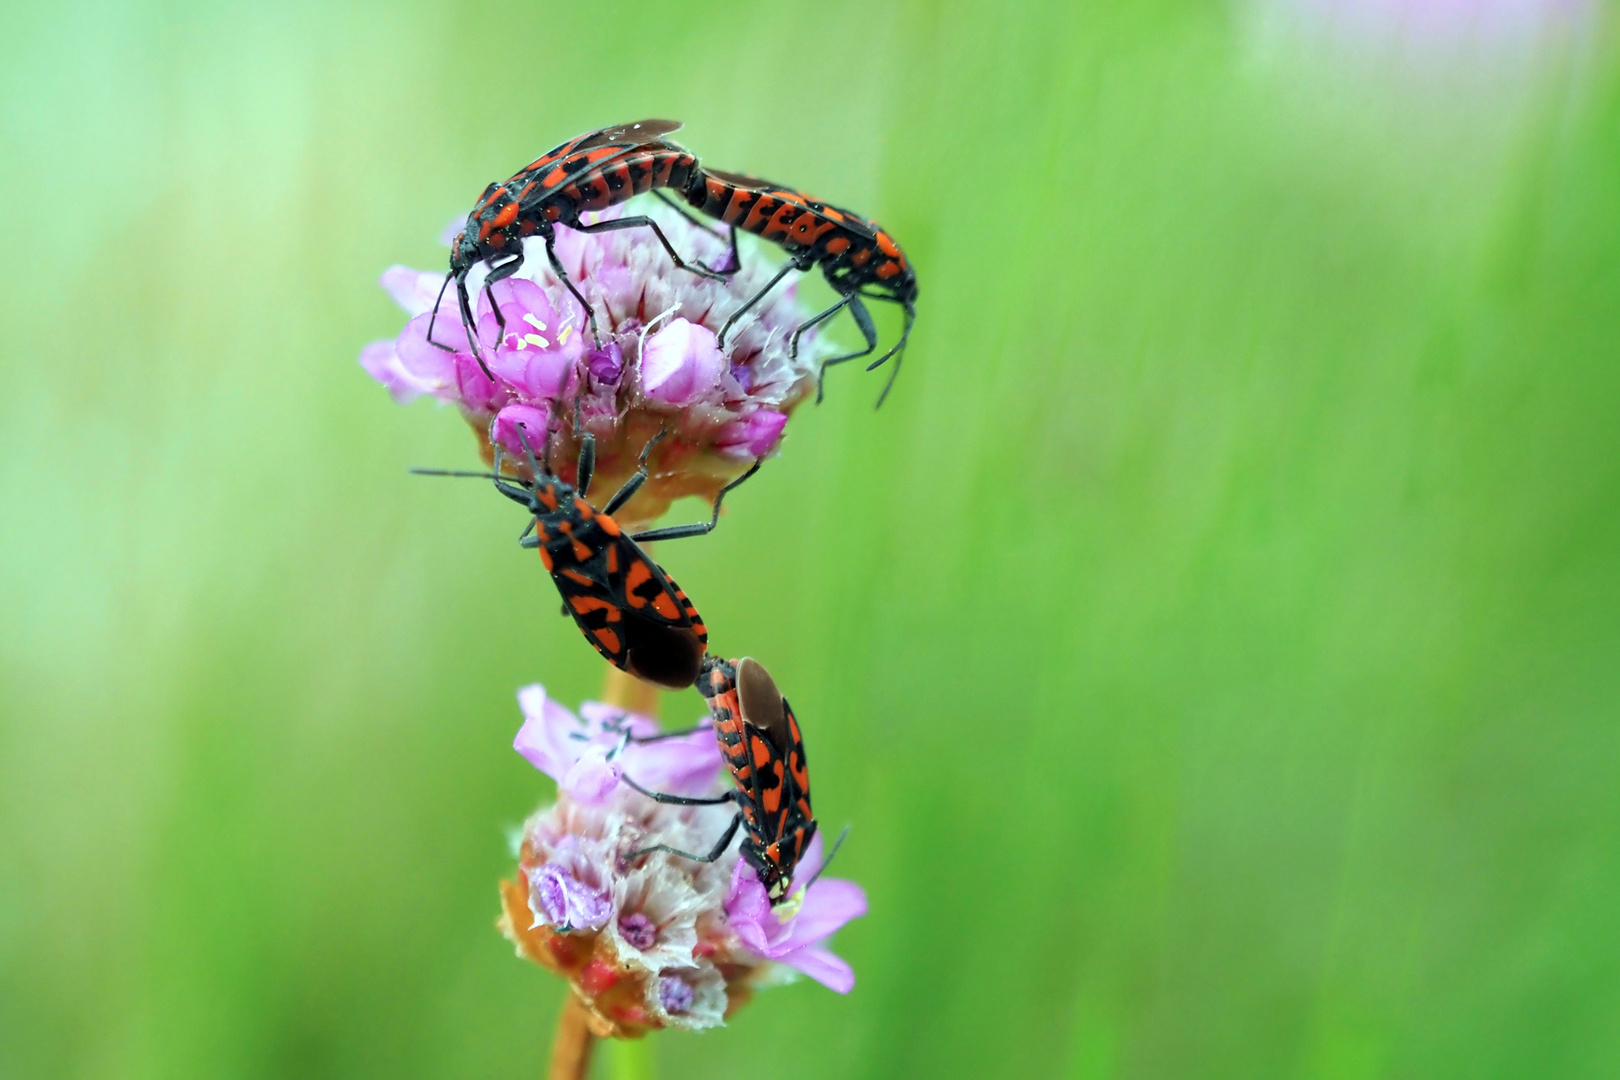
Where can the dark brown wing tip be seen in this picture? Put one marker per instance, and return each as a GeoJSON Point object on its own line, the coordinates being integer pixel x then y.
{"type": "Point", "coordinates": [671, 656]}
{"type": "Point", "coordinates": [651, 129]}
{"type": "Point", "coordinates": [743, 180]}
{"type": "Point", "coordinates": [760, 702]}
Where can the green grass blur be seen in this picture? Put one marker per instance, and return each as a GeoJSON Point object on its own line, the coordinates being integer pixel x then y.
{"type": "Point", "coordinates": [1215, 642]}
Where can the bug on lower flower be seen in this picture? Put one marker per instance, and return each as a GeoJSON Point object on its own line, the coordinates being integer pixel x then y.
{"type": "Point", "coordinates": [624, 603]}
{"type": "Point", "coordinates": [760, 740]}
{"type": "Point", "coordinates": [857, 257]}
{"type": "Point", "coordinates": [592, 171]}
{"type": "Point", "coordinates": [651, 940]}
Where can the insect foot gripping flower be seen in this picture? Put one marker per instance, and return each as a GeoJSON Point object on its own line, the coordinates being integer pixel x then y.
{"type": "Point", "coordinates": [659, 365]}
{"type": "Point", "coordinates": [654, 940]}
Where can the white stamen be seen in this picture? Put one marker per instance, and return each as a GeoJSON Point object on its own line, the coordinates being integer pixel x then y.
{"type": "Point", "coordinates": [537, 341]}
{"type": "Point", "coordinates": [529, 318]}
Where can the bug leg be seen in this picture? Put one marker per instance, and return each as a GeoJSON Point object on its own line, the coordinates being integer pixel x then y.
{"type": "Point", "coordinates": [587, 465]}
{"type": "Point", "coordinates": [633, 485]}
{"type": "Point", "coordinates": [435, 316]}
{"type": "Point", "coordinates": [752, 300]}
{"type": "Point", "coordinates": [562, 275]}
{"type": "Point", "coordinates": [898, 352]}
{"type": "Point", "coordinates": [863, 319]}
{"type": "Point", "coordinates": [677, 532]}
{"type": "Point", "coordinates": [715, 852]}
{"type": "Point", "coordinates": [733, 257]}
{"type": "Point", "coordinates": [647, 222]}
{"type": "Point", "coordinates": [662, 735]}
{"type": "Point", "coordinates": [468, 324]}
{"type": "Point", "coordinates": [688, 215]}
{"type": "Point", "coordinates": [683, 800]}
{"type": "Point", "coordinates": [500, 273]}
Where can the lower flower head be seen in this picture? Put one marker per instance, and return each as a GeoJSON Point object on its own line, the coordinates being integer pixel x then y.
{"type": "Point", "coordinates": [650, 938]}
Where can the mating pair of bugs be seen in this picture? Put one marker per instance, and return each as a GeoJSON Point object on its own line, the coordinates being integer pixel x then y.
{"type": "Point", "coordinates": [640, 620]}
{"type": "Point", "coordinates": [608, 166]}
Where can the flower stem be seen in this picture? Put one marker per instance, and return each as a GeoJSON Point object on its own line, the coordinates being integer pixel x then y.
{"type": "Point", "coordinates": [625, 691]}
{"type": "Point", "coordinates": [572, 1046]}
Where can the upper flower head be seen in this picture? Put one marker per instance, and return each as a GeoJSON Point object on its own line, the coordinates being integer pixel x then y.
{"type": "Point", "coordinates": [659, 364]}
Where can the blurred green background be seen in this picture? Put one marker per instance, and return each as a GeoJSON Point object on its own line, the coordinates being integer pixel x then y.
{"type": "Point", "coordinates": [1215, 642]}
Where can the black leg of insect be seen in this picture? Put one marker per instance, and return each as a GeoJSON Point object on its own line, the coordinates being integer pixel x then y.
{"type": "Point", "coordinates": [467, 324]}
{"type": "Point", "coordinates": [434, 318]}
{"type": "Point", "coordinates": [720, 846]}
{"type": "Point", "coordinates": [647, 222]}
{"type": "Point", "coordinates": [499, 273]}
{"type": "Point", "coordinates": [898, 352]}
{"type": "Point", "coordinates": [735, 259]}
{"type": "Point", "coordinates": [698, 528]}
{"type": "Point", "coordinates": [623, 729]}
{"type": "Point", "coordinates": [801, 264]}
{"type": "Point", "coordinates": [562, 275]}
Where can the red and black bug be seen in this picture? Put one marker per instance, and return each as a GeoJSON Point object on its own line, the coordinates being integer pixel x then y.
{"type": "Point", "coordinates": [857, 257]}
{"type": "Point", "coordinates": [627, 607]}
{"type": "Point", "coordinates": [760, 740]}
{"type": "Point", "coordinates": [596, 170]}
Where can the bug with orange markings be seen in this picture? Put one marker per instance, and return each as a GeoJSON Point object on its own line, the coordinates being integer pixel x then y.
{"type": "Point", "coordinates": [764, 750]}
{"type": "Point", "coordinates": [627, 607]}
{"type": "Point", "coordinates": [593, 171]}
{"type": "Point", "coordinates": [858, 257]}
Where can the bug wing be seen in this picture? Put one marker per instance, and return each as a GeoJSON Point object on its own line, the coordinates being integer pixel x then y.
{"type": "Point", "coordinates": [626, 138]}
{"type": "Point", "coordinates": [640, 131]}
{"type": "Point", "coordinates": [775, 744]}
{"type": "Point", "coordinates": [664, 636]}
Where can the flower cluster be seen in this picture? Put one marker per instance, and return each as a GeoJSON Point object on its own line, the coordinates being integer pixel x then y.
{"type": "Point", "coordinates": [652, 940]}
{"type": "Point", "coordinates": [658, 364]}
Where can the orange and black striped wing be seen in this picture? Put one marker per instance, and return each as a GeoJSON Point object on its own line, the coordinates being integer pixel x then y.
{"type": "Point", "coordinates": [578, 157]}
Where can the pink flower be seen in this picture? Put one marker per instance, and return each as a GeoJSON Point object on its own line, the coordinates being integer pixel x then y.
{"type": "Point", "coordinates": [382, 363]}
{"type": "Point", "coordinates": [586, 756]}
{"type": "Point", "coordinates": [533, 420]}
{"type": "Point", "coordinates": [537, 354]}
{"type": "Point", "coordinates": [681, 365]}
{"type": "Point", "coordinates": [678, 378]}
{"type": "Point", "coordinates": [753, 435]}
{"type": "Point", "coordinates": [796, 940]}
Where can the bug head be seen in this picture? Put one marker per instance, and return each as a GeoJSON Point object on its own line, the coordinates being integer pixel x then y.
{"type": "Point", "coordinates": [767, 863]}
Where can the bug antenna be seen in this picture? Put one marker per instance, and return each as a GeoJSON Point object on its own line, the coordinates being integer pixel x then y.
{"type": "Point", "coordinates": [473, 475]}
{"type": "Point", "coordinates": [528, 452]}
{"type": "Point", "coordinates": [838, 843]}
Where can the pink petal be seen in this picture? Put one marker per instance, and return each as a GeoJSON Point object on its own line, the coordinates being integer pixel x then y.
{"type": "Point", "coordinates": [681, 364]}
{"type": "Point", "coordinates": [810, 863]}
{"type": "Point", "coordinates": [826, 968]}
{"type": "Point", "coordinates": [422, 358]}
{"type": "Point", "coordinates": [534, 420]}
{"type": "Point", "coordinates": [416, 290]}
{"type": "Point", "coordinates": [592, 778]}
{"type": "Point", "coordinates": [382, 363]}
{"type": "Point", "coordinates": [755, 435]}
{"type": "Point", "coordinates": [543, 740]}
{"type": "Point", "coordinates": [828, 905]}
